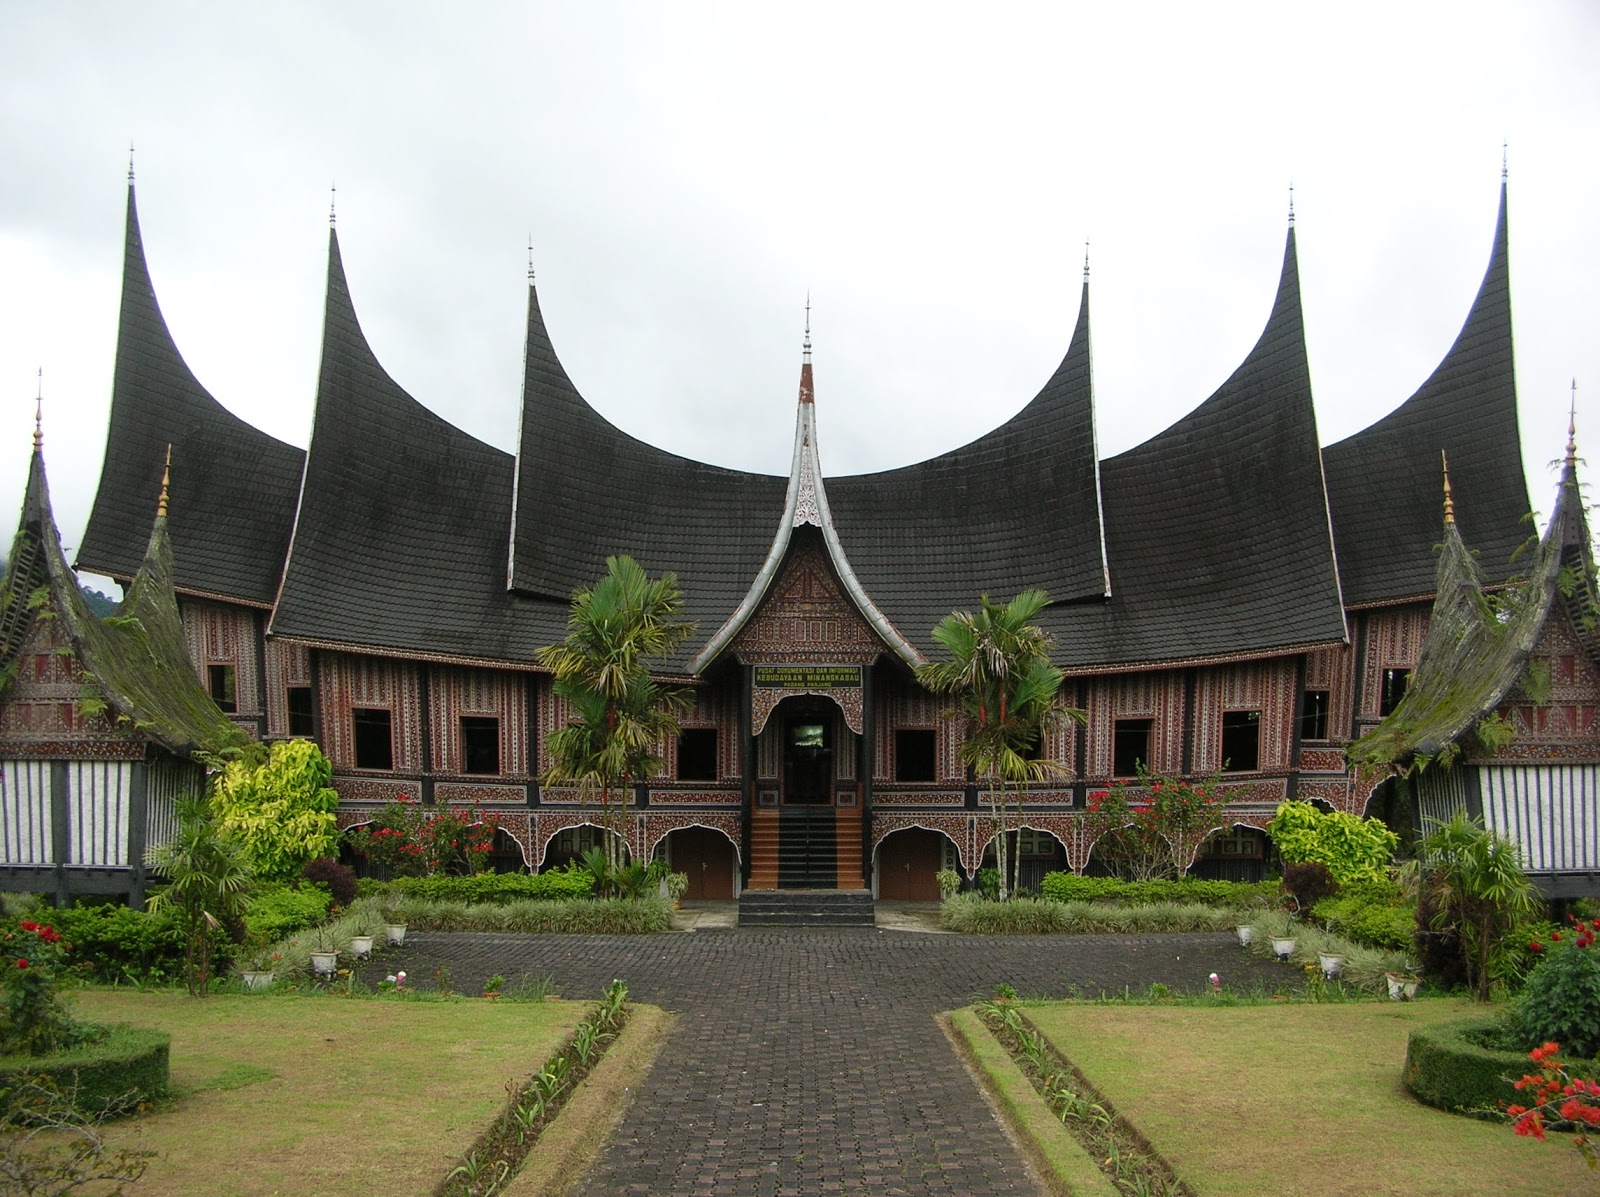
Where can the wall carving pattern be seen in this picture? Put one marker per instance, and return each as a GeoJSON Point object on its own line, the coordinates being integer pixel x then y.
{"type": "Point", "coordinates": [1265, 686]}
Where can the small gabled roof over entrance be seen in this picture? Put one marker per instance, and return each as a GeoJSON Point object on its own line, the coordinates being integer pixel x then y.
{"type": "Point", "coordinates": [805, 503]}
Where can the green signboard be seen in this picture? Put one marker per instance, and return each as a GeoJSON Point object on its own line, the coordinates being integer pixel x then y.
{"type": "Point", "coordinates": [808, 677]}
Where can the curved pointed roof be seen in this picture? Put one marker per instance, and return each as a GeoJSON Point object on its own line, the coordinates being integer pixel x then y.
{"type": "Point", "coordinates": [586, 490]}
{"type": "Point", "coordinates": [399, 543]}
{"type": "Point", "coordinates": [1217, 528]}
{"type": "Point", "coordinates": [234, 486]}
{"type": "Point", "coordinates": [1382, 487]}
{"type": "Point", "coordinates": [1017, 508]}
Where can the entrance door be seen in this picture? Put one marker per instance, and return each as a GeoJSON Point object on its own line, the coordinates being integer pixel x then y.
{"type": "Point", "coordinates": [706, 857]}
{"type": "Point", "coordinates": [808, 759]}
{"type": "Point", "coordinates": [907, 863]}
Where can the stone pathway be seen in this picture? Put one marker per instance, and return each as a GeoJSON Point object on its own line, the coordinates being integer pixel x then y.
{"type": "Point", "coordinates": [808, 1061]}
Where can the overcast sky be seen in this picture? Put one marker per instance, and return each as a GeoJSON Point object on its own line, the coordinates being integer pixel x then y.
{"type": "Point", "coordinates": [687, 171]}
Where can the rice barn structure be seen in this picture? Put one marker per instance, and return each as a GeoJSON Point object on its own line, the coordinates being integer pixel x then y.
{"type": "Point", "coordinates": [1229, 596]}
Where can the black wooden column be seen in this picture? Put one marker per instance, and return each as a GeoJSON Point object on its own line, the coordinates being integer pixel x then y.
{"type": "Point", "coordinates": [533, 739]}
{"type": "Point", "coordinates": [747, 758]}
{"type": "Point", "coordinates": [314, 667]}
{"type": "Point", "coordinates": [260, 621]}
{"type": "Point", "coordinates": [1292, 789]}
{"type": "Point", "coordinates": [138, 831]}
{"type": "Point", "coordinates": [424, 690]}
{"type": "Point", "coordinates": [866, 756]}
{"type": "Point", "coordinates": [60, 826]}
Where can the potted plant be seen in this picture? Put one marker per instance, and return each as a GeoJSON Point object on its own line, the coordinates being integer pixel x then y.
{"type": "Point", "coordinates": [394, 929]}
{"type": "Point", "coordinates": [1402, 987]}
{"type": "Point", "coordinates": [361, 946]}
{"type": "Point", "coordinates": [1246, 934]}
{"type": "Point", "coordinates": [1332, 964]}
{"type": "Point", "coordinates": [492, 987]}
{"type": "Point", "coordinates": [1282, 946]}
{"type": "Point", "coordinates": [949, 882]}
{"type": "Point", "coordinates": [260, 962]}
{"type": "Point", "coordinates": [677, 885]}
{"type": "Point", "coordinates": [324, 957]}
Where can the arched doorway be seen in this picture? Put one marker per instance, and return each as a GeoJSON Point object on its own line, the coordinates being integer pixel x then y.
{"type": "Point", "coordinates": [908, 863]}
{"type": "Point", "coordinates": [1032, 853]}
{"type": "Point", "coordinates": [568, 845]}
{"type": "Point", "coordinates": [705, 855]}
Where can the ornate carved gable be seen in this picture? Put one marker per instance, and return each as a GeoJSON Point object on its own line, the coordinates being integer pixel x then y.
{"type": "Point", "coordinates": [807, 617]}
{"type": "Point", "coordinates": [52, 707]}
{"type": "Point", "coordinates": [1561, 674]}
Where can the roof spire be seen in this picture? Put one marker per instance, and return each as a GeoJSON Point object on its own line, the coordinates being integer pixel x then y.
{"type": "Point", "coordinates": [333, 202]}
{"type": "Point", "coordinates": [1449, 503]}
{"type": "Point", "coordinates": [1086, 259]}
{"type": "Point", "coordinates": [166, 483]}
{"type": "Point", "coordinates": [1291, 203]}
{"type": "Point", "coordinates": [38, 414]}
{"type": "Point", "coordinates": [130, 164]}
{"type": "Point", "coordinates": [530, 259]}
{"type": "Point", "coordinates": [806, 346]}
{"type": "Point", "coordinates": [1505, 147]}
{"type": "Point", "coordinates": [1572, 426]}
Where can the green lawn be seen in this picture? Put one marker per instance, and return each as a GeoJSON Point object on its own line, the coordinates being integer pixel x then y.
{"type": "Point", "coordinates": [1302, 1099]}
{"type": "Point", "coordinates": [297, 1095]}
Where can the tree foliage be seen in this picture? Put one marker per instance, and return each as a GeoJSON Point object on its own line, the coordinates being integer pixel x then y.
{"type": "Point", "coordinates": [621, 718]}
{"type": "Point", "coordinates": [1151, 830]}
{"type": "Point", "coordinates": [207, 879]}
{"type": "Point", "coordinates": [279, 810]}
{"type": "Point", "coordinates": [999, 670]}
{"type": "Point", "coordinates": [1353, 849]}
{"type": "Point", "coordinates": [1480, 892]}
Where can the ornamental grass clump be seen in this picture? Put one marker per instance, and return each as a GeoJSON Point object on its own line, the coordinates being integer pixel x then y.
{"type": "Point", "coordinates": [971, 914]}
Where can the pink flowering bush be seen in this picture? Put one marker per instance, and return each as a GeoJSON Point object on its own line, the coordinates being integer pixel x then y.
{"type": "Point", "coordinates": [412, 840]}
{"type": "Point", "coordinates": [33, 1021]}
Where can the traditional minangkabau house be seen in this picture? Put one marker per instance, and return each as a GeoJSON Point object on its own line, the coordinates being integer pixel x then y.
{"type": "Point", "coordinates": [1228, 596]}
{"type": "Point", "coordinates": [101, 720]}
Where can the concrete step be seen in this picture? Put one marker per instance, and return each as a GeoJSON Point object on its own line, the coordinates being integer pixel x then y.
{"type": "Point", "coordinates": [802, 907]}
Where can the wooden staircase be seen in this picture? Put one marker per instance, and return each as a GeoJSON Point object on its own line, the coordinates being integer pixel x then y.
{"type": "Point", "coordinates": [763, 848]}
{"type": "Point", "coordinates": [792, 852]}
{"type": "Point", "coordinates": [847, 847]}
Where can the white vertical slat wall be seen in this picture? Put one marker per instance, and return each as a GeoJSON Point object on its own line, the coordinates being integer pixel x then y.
{"type": "Point", "coordinates": [168, 779]}
{"type": "Point", "coordinates": [26, 828]}
{"type": "Point", "coordinates": [1550, 810]}
{"type": "Point", "coordinates": [99, 800]}
{"type": "Point", "coordinates": [1440, 793]}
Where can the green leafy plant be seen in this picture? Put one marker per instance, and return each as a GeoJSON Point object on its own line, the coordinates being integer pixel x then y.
{"type": "Point", "coordinates": [677, 886]}
{"type": "Point", "coordinates": [118, 945]}
{"type": "Point", "coordinates": [949, 882]}
{"type": "Point", "coordinates": [1561, 1000]}
{"type": "Point", "coordinates": [1070, 887]}
{"type": "Point", "coordinates": [1353, 849]}
{"type": "Point", "coordinates": [1153, 828]}
{"type": "Point", "coordinates": [207, 878]}
{"type": "Point", "coordinates": [280, 810]}
{"type": "Point", "coordinates": [33, 1021]}
{"type": "Point", "coordinates": [1477, 890]}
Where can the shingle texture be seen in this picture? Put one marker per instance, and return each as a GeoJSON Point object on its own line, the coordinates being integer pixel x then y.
{"type": "Point", "coordinates": [400, 541]}
{"type": "Point", "coordinates": [587, 490]}
{"type": "Point", "coordinates": [1383, 482]}
{"type": "Point", "coordinates": [1217, 528]}
{"type": "Point", "coordinates": [1016, 508]}
{"type": "Point", "coordinates": [233, 486]}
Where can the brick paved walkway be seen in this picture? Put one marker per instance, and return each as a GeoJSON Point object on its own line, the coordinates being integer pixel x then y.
{"type": "Point", "coordinates": [808, 1061]}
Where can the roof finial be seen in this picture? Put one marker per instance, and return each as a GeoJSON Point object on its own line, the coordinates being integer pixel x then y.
{"type": "Point", "coordinates": [1505, 148]}
{"type": "Point", "coordinates": [530, 259]}
{"type": "Point", "coordinates": [38, 414]}
{"type": "Point", "coordinates": [130, 164]}
{"type": "Point", "coordinates": [806, 348]}
{"type": "Point", "coordinates": [1086, 259]}
{"type": "Point", "coordinates": [1449, 503]}
{"type": "Point", "coordinates": [333, 202]}
{"type": "Point", "coordinates": [1291, 203]}
{"type": "Point", "coordinates": [1572, 426]}
{"type": "Point", "coordinates": [166, 483]}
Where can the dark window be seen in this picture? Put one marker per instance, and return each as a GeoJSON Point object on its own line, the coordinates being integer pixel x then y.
{"type": "Point", "coordinates": [697, 754]}
{"type": "Point", "coordinates": [1241, 741]}
{"type": "Point", "coordinates": [1314, 715]}
{"type": "Point", "coordinates": [374, 738]}
{"type": "Point", "coordinates": [1130, 746]}
{"type": "Point", "coordinates": [222, 691]}
{"type": "Point", "coordinates": [915, 754]}
{"type": "Point", "coordinates": [480, 744]}
{"type": "Point", "coordinates": [302, 718]}
{"type": "Point", "coordinates": [1395, 682]}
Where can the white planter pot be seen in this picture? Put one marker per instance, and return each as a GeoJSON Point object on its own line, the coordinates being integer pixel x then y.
{"type": "Point", "coordinates": [361, 946]}
{"type": "Point", "coordinates": [257, 979]}
{"type": "Point", "coordinates": [1401, 989]}
{"type": "Point", "coordinates": [396, 933]}
{"type": "Point", "coordinates": [324, 964]}
{"type": "Point", "coordinates": [1282, 948]}
{"type": "Point", "coordinates": [1332, 965]}
{"type": "Point", "coordinates": [1246, 935]}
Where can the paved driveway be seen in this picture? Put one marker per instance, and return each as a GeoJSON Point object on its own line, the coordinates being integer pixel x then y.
{"type": "Point", "coordinates": [808, 1061]}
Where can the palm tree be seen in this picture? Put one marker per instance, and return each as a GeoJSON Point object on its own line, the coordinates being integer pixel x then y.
{"type": "Point", "coordinates": [621, 717]}
{"type": "Point", "coordinates": [208, 878]}
{"type": "Point", "coordinates": [1479, 890]}
{"type": "Point", "coordinates": [999, 670]}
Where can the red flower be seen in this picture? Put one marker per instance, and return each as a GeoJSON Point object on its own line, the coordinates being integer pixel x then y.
{"type": "Point", "coordinates": [1536, 946]}
{"type": "Point", "coordinates": [1555, 935]}
{"type": "Point", "coordinates": [21, 963]}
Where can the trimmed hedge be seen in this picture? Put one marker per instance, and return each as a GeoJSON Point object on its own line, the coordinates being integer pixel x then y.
{"type": "Point", "coordinates": [570, 916]}
{"type": "Point", "coordinates": [493, 887]}
{"type": "Point", "coordinates": [128, 1060]}
{"type": "Point", "coordinates": [1379, 923]}
{"type": "Point", "coordinates": [119, 944]}
{"type": "Point", "coordinates": [1448, 1067]}
{"type": "Point", "coordinates": [973, 914]}
{"type": "Point", "coordinates": [1070, 887]}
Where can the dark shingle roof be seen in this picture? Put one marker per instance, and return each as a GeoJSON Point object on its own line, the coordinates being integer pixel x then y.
{"type": "Point", "coordinates": [136, 660]}
{"type": "Point", "coordinates": [1217, 528]}
{"type": "Point", "coordinates": [233, 486]}
{"type": "Point", "coordinates": [1019, 507]}
{"type": "Point", "coordinates": [400, 541]}
{"type": "Point", "coordinates": [1383, 481]}
{"type": "Point", "coordinates": [587, 490]}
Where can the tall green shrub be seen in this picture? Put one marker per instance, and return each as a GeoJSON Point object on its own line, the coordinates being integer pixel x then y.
{"type": "Point", "coordinates": [1353, 849]}
{"type": "Point", "coordinates": [1478, 890]}
{"type": "Point", "coordinates": [207, 878]}
{"type": "Point", "coordinates": [1561, 1003]}
{"type": "Point", "coordinates": [280, 810]}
